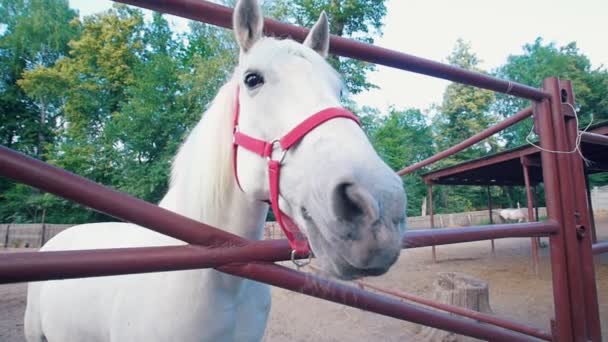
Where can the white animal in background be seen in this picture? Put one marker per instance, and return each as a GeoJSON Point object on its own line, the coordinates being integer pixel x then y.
{"type": "Point", "coordinates": [513, 215]}
{"type": "Point", "coordinates": [334, 186]}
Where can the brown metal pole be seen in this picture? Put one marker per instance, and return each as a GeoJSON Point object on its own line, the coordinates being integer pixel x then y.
{"type": "Point", "coordinates": [536, 204]}
{"type": "Point", "coordinates": [36, 266]}
{"type": "Point", "coordinates": [352, 296]}
{"type": "Point", "coordinates": [567, 288]}
{"type": "Point", "coordinates": [435, 237]}
{"type": "Point", "coordinates": [529, 196]}
{"type": "Point", "coordinates": [432, 216]}
{"type": "Point", "coordinates": [594, 138]}
{"type": "Point", "coordinates": [600, 247]}
{"type": "Point", "coordinates": [563, 327]}
{"type": "Point", "coordinates": [476, 315]}
{"type": "Point", "coordinates": [510, 121]}
{"type": "Point", "coordinates": [583, 223]}
{"type": "Point", "coordinates": [490, 205]}
{"type": "Point", "coordinates": [591, 214]}
{"type": "Point", "coordinates": [222, 16]}
{"type": "Point", "coordinates": [6, 236]}
{"type": "Point", "coordinates": [491, 218]}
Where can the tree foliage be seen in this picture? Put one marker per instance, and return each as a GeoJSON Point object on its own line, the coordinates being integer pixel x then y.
{"type": "Point", "coordinates": [464, 110]}
{"type": "Point", "coordinates": [540, 60]}
{"type": "Point", "coordinates": [111, 96]}
{"type": "Point", "coordinates": [403, 138]}
{"type": "Point", "coordinates": [357, 19]}
{"type": "Point", "coordinates": [119, 100]}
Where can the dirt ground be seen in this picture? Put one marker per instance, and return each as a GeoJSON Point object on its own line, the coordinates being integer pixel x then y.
{"type": "Point", "coordinates": [515, 293]}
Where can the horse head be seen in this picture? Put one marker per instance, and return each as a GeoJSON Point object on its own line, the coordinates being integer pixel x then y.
{"type": "Point", "coordinates": [333, 185]}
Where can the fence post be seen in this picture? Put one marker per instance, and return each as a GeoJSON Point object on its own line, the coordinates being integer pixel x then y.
{"type": "Point", "coordinates": [529, 196]}
{"type": "Point", "coordinates": [6, 236]}
{"type": "Point", "coordinates": [432, 215]}
{"type": "Point", "coordinates": [565, 262]}
{"type": "Point", "coordinates": [584, 222]}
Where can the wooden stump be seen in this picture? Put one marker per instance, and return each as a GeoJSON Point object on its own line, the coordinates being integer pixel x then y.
{"type": "Point", "coordinates": [457, 289]}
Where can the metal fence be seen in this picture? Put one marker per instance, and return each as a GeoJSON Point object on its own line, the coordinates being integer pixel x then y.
{"type": "Point", "coordinates": [576, 308]}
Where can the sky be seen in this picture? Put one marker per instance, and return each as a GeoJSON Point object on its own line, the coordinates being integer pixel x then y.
{"type": "Point", "coordinates": [495, 30]}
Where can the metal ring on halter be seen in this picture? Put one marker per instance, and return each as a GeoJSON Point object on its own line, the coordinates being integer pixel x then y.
{"type": "Point", "coordinates": [277, 142]}
{"type": "Point", "coordinates": [234, 130]}
{"type": "Point", "coordinates": [300, 263]}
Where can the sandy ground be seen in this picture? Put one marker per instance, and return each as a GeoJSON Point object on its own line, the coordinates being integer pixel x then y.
{"type": "Point", "coordinates": [515, 293]}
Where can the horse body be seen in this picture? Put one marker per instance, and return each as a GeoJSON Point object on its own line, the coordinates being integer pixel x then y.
{"type": "Point", "coordinates": [198, 305]}
{"type": "Point", "coordinates": [349, 204]}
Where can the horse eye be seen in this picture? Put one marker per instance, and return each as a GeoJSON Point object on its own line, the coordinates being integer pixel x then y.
{"type": "Point", "coordinates": [253, 80]}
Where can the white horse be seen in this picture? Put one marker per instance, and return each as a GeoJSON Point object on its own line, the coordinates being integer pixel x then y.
{"type": "Point", "coordinates": [513, 215]}
{"type": "Point", "coordinates": [349, 203]}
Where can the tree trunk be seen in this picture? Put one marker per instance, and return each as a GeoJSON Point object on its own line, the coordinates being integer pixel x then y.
{"type": "Point", "coordinates": [457, 289]}
{"type": "Point", "coordinates": [41, 131]}
{"type": "Point", "coordinates": [43, 228]}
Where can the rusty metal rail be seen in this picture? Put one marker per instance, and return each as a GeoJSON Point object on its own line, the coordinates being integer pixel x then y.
{"type": "Point", "coordinates": [211, 13]}
{"type": "Point", "coordinates": [435, 237]}
{"type": "Point", "coordinates": [510, 121]}
{"type": "Point", "coordinates": [34, 266]}
{"type": "Point", "coordinates": [479, 316]}
{"type": "Point", "coordinates": [594, 138]}
{"type": "Point", "coordinates": [600, 247]}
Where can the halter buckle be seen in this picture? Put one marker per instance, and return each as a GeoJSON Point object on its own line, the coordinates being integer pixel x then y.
{"type": "Point", "coordinates": [277, 142]}
{"type": "Point", "coordinates": [300, 263]}
{"type": "Point", "coordinates": [234, 131]}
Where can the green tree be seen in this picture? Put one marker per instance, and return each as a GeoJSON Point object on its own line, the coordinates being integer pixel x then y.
{"type": "Point", "coordinates": [356, 19]}
{"type": "Point", "coordinates": [402, 138]}
{"type": "Point", "coordinates": [126, 95]}
{"type": "Point", "coordinates": [90, 85]}
{"type": "Point", "coordinates": [33, 33]}
{"type": "Point", "coordinates": [36, 34]}
{"type": "Point", "coordinates": [464, 112]}
{"type": "Point", "coordinates": [540, 60]}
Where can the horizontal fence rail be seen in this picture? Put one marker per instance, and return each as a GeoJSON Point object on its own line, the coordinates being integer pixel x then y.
{"type": "Point", "coordinates": [594, 138]}
{"type": "Point", "coordinates": [445, 236]}
{"type": "Point", "coordinates": [46, 177]}
{"type": "Point", "coordinates": [600, 247]}
{"type": "Point", "coordinates": [33, 266]}
{"type": "Point", "coordinates": [222, 16]}
{"type": "Point", "coordinates": [480, 316]}
{"type": "Point", "coordinates": [365, 300]}
{"type": "Point", "coordinates": [510, 121]}
{"type": "Point", "coordinates": [52, 265]}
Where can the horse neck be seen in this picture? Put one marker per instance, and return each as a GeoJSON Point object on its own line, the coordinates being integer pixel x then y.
{"type": "Point", "coordinates": [240, 215]}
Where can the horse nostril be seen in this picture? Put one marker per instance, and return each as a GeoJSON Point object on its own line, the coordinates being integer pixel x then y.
{"type": "Point", "coordinates": [350, 201]}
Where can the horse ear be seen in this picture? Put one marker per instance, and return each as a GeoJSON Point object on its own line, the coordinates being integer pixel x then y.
{"type": "Point", "coordinates": [318, 37]}
{"type": "Point", "coordinates": [248, 23]}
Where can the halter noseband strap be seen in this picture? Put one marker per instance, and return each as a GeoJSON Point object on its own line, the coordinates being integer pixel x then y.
{"type": "Point", "coordinates": [297, 240]}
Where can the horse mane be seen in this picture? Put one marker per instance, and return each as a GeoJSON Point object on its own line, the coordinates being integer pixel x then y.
{"type": "Point", "coordinates": [201, 174]}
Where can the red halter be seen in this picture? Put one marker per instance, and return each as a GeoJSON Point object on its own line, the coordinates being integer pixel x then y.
{"type": "Point", "coordinates": [297, 240]}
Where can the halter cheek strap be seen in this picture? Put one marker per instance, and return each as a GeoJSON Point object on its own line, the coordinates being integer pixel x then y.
{"type": "Point", "coordinates": [297, 240]}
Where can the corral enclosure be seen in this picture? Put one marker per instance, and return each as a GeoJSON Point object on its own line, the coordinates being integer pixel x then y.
{"type": "Point", "coordinates": [575, 298]}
